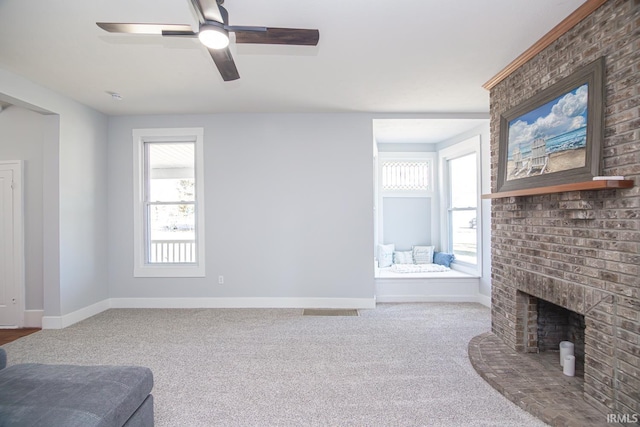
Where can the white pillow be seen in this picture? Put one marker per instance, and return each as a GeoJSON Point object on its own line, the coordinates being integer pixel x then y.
{"type": "Point", "coordinates": [385, 255]}
{"type": "Point", "coordinates": [423, 254]}
{"type": "Point", "coordinates": [403, 257]}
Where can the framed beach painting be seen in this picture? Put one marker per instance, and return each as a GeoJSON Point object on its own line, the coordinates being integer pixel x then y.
{"type": "Point", "coordinates": [555, 137]}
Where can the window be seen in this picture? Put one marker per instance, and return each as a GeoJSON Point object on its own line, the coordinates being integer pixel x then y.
{"type": "Point", "coordinates": [463, 208]}
{"type": "Point", "coordinates": [460, 187]}
{"type": "Point", "coordinates": [169, 203]}
{"type": "Point", "coordinates": [400, 175]}
{"type": "Point", "coordinates": [403, 174]}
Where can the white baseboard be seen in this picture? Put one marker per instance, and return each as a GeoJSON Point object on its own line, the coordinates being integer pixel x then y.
{"type": "Point", "coordinates": [484, 300]}
{"type": "Point", "coordinates": [426, 298]}
{"type": "Point", "coordinates": [59, 322]}
{"type": "Point", "coordinates": [265, 302]}
{"type": "Point", "coordinates": [33, 318]}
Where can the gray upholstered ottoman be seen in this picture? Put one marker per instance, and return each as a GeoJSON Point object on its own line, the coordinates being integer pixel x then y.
{"type": "Point", "coordinates": [69, 396]}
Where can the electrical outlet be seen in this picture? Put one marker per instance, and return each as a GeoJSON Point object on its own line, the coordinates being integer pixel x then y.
{"type": "Point", "coordinates": [220, 280]}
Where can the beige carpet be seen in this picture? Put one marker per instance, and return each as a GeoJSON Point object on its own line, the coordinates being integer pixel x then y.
{"type": "Point", "coordinates": [396, 365]}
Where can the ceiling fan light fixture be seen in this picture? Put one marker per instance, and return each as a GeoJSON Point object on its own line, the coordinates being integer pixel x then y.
{"type": "Point", "coordinates": [213, 37]}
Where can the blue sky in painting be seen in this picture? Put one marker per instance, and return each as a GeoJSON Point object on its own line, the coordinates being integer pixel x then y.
{"type": "Point", "coordinates": [541, 111]}
{"type": "Point", "coordinates": [563, 114]}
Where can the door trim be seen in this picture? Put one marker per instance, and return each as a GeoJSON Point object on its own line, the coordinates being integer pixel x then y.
{"type": "Point", "coordinates": [17, 166]}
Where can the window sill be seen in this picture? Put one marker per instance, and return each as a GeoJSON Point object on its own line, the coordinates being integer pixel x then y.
{"type": "Point", "coordinates": [168, 271]}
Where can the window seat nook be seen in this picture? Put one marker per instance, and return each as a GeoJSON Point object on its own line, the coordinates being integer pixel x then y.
{"type": "Point", "coordinates": [421, 275]}
{"type": "Point", "coordinates": [443, 286]}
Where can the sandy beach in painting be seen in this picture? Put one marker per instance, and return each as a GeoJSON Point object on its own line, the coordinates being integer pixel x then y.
{"type": "Point", "coordinates": [558, 162]}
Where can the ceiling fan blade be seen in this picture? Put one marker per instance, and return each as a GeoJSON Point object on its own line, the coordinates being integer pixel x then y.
{"type": "Point", "coordinates": [198, 10]}
{"type": "Point", "coordinates": [179, 34]}
{"type": "Point", "coordinates": [290, 36]}
{"type": "Point", "coordinates": [159, 29]}
{"type": "Point", "coordinates": [224, 62]}
{"type": "Point", "coordinates": [209, 10]}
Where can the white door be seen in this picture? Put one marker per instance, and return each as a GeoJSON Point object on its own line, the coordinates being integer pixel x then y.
{"type": "Point", "coordinates": [11, 304]}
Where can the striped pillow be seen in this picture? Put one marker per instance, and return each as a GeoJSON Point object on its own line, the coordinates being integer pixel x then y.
{"type": "Point", "coordinates": [402, 257]}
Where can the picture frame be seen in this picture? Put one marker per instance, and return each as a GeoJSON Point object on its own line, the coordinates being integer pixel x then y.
{"type": "Point", "coordinates": [554, 137]}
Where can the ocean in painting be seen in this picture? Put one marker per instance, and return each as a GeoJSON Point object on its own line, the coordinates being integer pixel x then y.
{"type": "Point", "coordinates": [568, 141]}
{"type": "Point", "coordinates": [571, 140]}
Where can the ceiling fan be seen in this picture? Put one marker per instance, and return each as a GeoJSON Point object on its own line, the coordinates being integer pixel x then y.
{"type": "Point", "coordinates": [214, 32]}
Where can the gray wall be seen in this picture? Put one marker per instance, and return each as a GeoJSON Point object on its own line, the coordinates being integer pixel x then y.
{"type": "Point", "coordinates": [74, 197]}
{"type": "Point", "coordinates": [289, 203]}
{"type": "Point", "coordinates": [407, 147]}
{"type": "Point", "coordinates": [83, 211]}
{"type": "Point", "coordinates": [407, 221]}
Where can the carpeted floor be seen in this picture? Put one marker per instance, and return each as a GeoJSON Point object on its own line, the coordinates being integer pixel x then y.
{"type": "Point", "coordinates": [397, 365]}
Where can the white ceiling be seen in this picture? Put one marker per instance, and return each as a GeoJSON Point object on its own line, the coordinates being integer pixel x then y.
{"type": "Point", "coordinates": [406, 56]}
{"type": "Point", "coordinates": [421, 131]}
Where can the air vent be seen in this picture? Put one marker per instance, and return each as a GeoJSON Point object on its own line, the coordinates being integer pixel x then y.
{"type": "Point", "coordinates": [329, 312]}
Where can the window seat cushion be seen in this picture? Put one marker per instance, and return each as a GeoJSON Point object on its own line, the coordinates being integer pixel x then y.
{"type": "Point", "coordinates": [418, 268]}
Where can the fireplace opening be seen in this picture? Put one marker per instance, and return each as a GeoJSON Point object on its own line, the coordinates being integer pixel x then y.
{"type": "Point", "coordinates": [557, 324]}
{"type": "Point", "coordinates": [547, 325]}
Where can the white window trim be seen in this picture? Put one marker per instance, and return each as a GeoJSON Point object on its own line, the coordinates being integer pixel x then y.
{"type": "Point", "coordinates": [430, 158]}
{"type": "Point", "coordinates": [140, 267]}
{"type": "Point", "coordinates": [468, 146]}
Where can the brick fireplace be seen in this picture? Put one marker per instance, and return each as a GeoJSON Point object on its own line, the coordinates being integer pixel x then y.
{"type": "Point", "coordinates": [587, 264]}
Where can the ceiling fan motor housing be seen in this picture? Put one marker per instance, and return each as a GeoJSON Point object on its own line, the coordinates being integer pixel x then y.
{"type": "Point", "coordinates": [214, 34]}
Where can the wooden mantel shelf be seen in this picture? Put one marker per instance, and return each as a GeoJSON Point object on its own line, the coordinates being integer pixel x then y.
{"type": "Point", "coordinates": [576, 186]}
